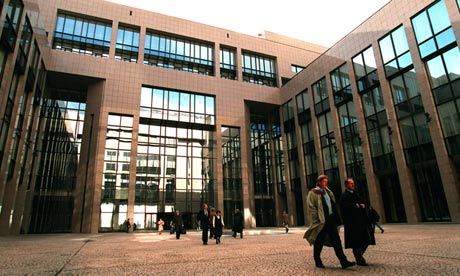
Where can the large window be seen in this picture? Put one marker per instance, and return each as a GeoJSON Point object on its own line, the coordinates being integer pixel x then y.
{"type": "Point", "coordinates": [395, 52]}
{"type": "Point", "coordinates": [232, 171]}
{"type": "Point", "coordinates": [176, 106]}
{"type": "Point", "coordinates": [82, 35]}
{"type": "Point", "coordinates": [178, 53]}
{"type": "Point", "coordinates": [308, 142]}
{"type": "Point", "coordinates": [433, 29]}
{"type": "Point", "coordinates": [340, 81]}
{"type": "Point", "coordinates": [116, 172]}
{"type": "Point", "coordinates": [365, 70]}
{"type": "Point", "coordinates": [320, 96]}
{"type": "Point", "coordinates": [228, 63]}
{"type": "Point", "coordinates": [259, 69]}
{"type": "Point", "coordinates": [175, 156]}
{"type": "Point", "coordinates": [127, 47]}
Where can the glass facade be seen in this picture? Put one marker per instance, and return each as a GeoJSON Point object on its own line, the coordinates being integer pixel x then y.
{"type": "Point", "coordinates": [228, 68]}
{"type": "Point", "coordinates": [176, 159]}
{"type": "Point", "coordinates": [259, 69]}
{"type": "Point", "coordinates": [178, 53]}
{"type": "Point", "coordinates": [308, 143]}
{"type": "Point", "coordinates": [172, 140]}
{"type": "Point", "coordinates": [127, 46]}
{"type": "Point", "coordinates": [232, 172]}
{"type": "Point", "coordinates": [79, 34]}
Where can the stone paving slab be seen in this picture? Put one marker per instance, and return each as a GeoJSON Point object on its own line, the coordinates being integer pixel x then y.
{"type": "Point", "coordinates": [427, 249]}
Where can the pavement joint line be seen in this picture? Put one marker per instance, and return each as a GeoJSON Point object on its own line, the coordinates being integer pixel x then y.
{"type": "Point", "coordinates": [417, 254]}
{"type": "Point", "coordinates": [71, 257]}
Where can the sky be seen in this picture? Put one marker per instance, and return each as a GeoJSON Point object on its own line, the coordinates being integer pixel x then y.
{"type": "Point", "coordinates": [322, 22]}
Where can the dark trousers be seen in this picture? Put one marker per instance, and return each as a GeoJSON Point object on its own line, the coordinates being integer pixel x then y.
{"type": "Point", "coordinates": [330, 229]}
{"type": "Point", "coordinates": [178, 232]}
{"type": "Point", "coordinates": [358, 253]}
{"type": "Point", "coordinates": [204, 234]}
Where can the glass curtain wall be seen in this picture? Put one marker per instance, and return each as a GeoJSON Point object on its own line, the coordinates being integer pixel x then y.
{"type": "Point", "coordinates": [263, 181]}
{"type": "Point", "coordinates": [378, 130]}
{"type": "Point", "coordinates": [117, 159]}
{"type": "Point", "coordinates": [351, 141]}
{"type": "Point", "coordinates": [439, 51]}
{"type": "Point", "coordinates": [176, 159]}
{"type": "Point", "coordinates": [178, 53]}
{"type": "Point", "coordinates": [55, 181]}
{"type": "Point", "coordinates": [327, 137]}
{"type": "Point", "coordinates": [287, 111]}
{"type": "Point", "coordinates": [231, 172]}
{"type": "Point", "coordinates": [308, 142]}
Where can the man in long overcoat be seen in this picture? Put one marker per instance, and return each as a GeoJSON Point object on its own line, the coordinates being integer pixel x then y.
{"type": "Point", "coordinates": [357, 225]}
{"type": "Point", "coordinates": [324, 219]}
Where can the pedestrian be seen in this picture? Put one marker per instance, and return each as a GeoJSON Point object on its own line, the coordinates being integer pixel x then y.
{"type": "Point", "coordinates": [286, 221]}
{"type": "Point", "coordinates": [127, 225]}
{"type": "Point", "coordinates": [218, 225]}
{"type": "Point", "coordinates": [211, 227]}
{"type": "Point", "coordinates": [324, 219]}
{"type": "Point", "coordinates": [178, 224]}
{"type": "Point", "coordinates": [238, 224]}
{"type": "Point", "coordinates": [161, 224]}
{"type": "Point", "coordinates": [357, 224]}
{"type": "Point", "coordinates": [204, 221]}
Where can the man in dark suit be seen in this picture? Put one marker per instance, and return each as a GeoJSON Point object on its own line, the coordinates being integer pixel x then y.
{"type": "Point", "coordinates": [203, 218]}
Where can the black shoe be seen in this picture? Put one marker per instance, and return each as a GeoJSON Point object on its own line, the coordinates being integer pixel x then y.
{"type": "Point", "coordinates": [382, 231]}
{"type": "Point", "coordinates": [346, 264]}
{"type": "Point", "coordinates": [362, 263]}
{"type": "Point", "coordinates": [319, 265]}
{"type": "Point", "coordinates": [205, 243]}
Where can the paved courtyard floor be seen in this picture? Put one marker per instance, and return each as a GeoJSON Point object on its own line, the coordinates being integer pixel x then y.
{"type": "Point", "coordinates": [426, 249]}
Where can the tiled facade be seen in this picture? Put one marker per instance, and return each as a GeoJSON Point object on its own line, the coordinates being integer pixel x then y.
{"type": "Point", "coordinates": [173, 113]}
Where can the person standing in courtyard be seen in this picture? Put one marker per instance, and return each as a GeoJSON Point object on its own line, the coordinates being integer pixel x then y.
{"type": "Point", "coordinates": [203, 220]}
{"type": "Point", "coordinates": [238, 224]}
{"type": "Point", "coordinates": [161, 224]}
{"type": "Point", "coordinates": [178, 224]}
{"type": "Point", "coordinates": [324, 219]}
{"type": "Point", "coordinates": [218, 225]}
{"type": "Point", "coordinates": [286, 221]}
{"type": "Point", "coordinates": [357, 225]}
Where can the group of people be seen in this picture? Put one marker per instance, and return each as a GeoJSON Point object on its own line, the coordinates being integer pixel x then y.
{"type": "Point", "coordinates": [210, 221]}
{"type": "Point", "coordinates": [325, 215]}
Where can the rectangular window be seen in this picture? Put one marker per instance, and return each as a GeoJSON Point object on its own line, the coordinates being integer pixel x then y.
{"type": "Point", "coordinates": [259, 69]}
{"type": "Point", "coordinates": [79, 34]}
{"type": "Point", "coordinates": [127, 47]}
{"type": "Point", "coordinates": [433, 30]}
{"type": "Point", "coordinates": [178, 53]}
{"type": "Point", "coordinates": [228, 63]}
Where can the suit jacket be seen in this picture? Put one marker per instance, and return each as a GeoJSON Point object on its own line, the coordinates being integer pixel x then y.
{"type": "Point", "coordinates": [204, 219]}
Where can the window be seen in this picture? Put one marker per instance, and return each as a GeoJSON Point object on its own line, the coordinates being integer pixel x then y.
{"type": "Point", "coordinates": [433, 30]}
{"type": "Point", "coordinates": [175, 106]}
{"type": "Point", "coordinates": [259, 69]}
{"type": "Point", "coordinates": [296, 68]}
{"type": "Point", "coordinates": [127, 47]}
{"type": "Point", "coordinates": [365, 69]}
{"type": "Point", "coordinates": [320, 96]}
{"type": "Point", "coordinates": [178, 53]}
{"type": "Point", "coordinates": [395, 52]}
{"type": "Point", "coordinates": [228, 64]}
{"type": "Point", "coordinates": [82, 35]}
{"type": "Point", "coordinates": [340, 81]}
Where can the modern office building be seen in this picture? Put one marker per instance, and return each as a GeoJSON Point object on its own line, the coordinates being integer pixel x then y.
{"type": "Point", "coordinates": [110, 112]}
